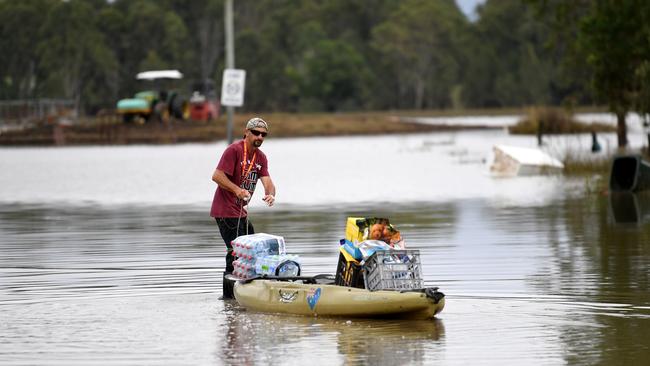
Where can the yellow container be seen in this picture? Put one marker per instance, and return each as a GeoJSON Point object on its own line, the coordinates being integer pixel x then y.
{"type": "Point", "coordinates": [354, 229]}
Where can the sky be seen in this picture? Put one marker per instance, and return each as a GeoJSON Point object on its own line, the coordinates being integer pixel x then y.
{"type": "Point", "coordinates": [468, 6]}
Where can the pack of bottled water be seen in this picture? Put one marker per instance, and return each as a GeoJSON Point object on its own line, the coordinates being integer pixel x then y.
{"type": "Point", "coordinates": [283, 265]}
{"type": "Point", "coordinates": [249, 249]}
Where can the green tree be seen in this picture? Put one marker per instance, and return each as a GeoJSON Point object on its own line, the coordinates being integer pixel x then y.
{"type": "Point", "coordinates": [277, 40]}
{"type": "Point", "coordinates": [74, 56]}
{"type": "Point", "coordinates": [20, 22]}
{"type": "Point", "coordinates": [333, 75]}
{"type": "Point", "coordinates": [205, 27]}
{"type": "Point", "coordinates": [418, 40]}
{"type": "Point", "coordinates": [510, 63]}
{"type": "Point", "coordinates": [149, 35]}
{"type": "Point", "coordinates": [612, 39]}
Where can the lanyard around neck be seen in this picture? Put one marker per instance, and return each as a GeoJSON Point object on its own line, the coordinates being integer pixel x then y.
{"type": "Point", "coordinates": [246, 171]}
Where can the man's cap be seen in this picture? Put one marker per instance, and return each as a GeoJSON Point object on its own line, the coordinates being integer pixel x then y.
{"type": "Point", "coordinates": [256, 123]}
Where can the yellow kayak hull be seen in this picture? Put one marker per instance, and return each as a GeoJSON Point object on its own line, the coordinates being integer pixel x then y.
{"type": "Point", "coordinates": [285, 297]}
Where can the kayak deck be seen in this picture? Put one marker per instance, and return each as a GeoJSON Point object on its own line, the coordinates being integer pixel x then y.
{"type": "Point", "coordinates": [322, 298]}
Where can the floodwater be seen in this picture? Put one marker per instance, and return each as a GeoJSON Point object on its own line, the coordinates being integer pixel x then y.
{"type": "Point", "coordinates": [108, 255]}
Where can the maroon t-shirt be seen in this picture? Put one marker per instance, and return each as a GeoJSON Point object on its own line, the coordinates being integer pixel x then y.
{"type": "Point", "coordinates": [225, 203]}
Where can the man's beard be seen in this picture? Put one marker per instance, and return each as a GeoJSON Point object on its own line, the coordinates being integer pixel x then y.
{"type": "Point", "coordinates": [257, 143]}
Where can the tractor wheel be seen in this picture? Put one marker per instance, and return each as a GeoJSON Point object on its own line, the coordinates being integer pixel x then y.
{"type": "Point", "coordinates": [128, 118]}
{"type": "Point", "coordinates": [179, 108]}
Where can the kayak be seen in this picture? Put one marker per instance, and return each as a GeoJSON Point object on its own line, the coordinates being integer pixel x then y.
{"type": "Point", "coordinates": [319, 296]}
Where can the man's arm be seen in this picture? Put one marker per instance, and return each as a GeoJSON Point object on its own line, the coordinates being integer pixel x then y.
{"type": "Point", "coordinates": [269, 190]}
{"type": "Point", "coordinates": [222, 180]}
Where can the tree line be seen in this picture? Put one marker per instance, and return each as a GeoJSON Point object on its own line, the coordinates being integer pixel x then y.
{"type": "Point", "coordinates": [335, 55]}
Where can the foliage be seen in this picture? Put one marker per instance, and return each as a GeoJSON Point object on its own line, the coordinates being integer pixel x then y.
{"type": "Point", "coordinates": [516, 67]}
{"type": "Point", "coordinates": [594, 168]}
{"type": "Point", "coordinates": [19, 33]}
{"type": "Point", "coordinates": [611, 39]}
{"type": "Point", "coordinates": [334, 55]}
{"type": "Point", "coordinates": [333, 74]}
{"type": "Point", "coordinates": [554, 121]}
{"type": "Point", "coordinates": [420, 44]}
{"type": "Point", "coordinates": [75, 52]}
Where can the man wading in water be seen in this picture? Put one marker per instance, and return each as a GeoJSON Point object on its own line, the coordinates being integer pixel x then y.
{"type": "Point", "coordinates": [241, 164]}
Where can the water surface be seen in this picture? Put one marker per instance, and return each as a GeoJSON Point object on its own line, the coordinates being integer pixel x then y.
{"type": "Point", "coordinates": [108, 256]}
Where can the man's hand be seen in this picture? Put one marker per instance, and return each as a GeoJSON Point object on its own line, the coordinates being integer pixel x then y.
{"type": "Point", "coordinates": [243, 194]}
{"type": "Point", "coordinates": [269, 199]}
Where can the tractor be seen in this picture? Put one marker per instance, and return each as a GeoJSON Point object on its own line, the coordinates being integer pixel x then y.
{"type": "Point", "coordinates": [204, 104]}
{"type": "Point", "coordinates": [158, 103]}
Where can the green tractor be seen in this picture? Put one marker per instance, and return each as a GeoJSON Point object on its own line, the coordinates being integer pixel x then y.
{"type": "Point", "coordinates": [159, 103]}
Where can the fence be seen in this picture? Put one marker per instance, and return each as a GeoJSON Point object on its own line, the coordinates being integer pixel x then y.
{"type": "Point", "coordinates": [29, 111]}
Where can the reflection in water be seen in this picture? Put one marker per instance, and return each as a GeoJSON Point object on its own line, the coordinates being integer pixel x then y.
{"type": "Point", "coordinates": [630, 207]}
{"type": "Point", "coordinates": [284, 338]}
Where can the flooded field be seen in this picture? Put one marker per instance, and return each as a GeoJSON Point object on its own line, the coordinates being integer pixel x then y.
{"type": "Point", "coordinates": [108, 256]}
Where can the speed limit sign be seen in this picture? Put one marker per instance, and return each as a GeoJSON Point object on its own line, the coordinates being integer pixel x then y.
{"type": "Point", "coordinates": [232, 87]}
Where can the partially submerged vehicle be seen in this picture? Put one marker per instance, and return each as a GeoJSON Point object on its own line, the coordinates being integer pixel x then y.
{"type": "Point", "coordinates": [159, 102]}
{"type": "Point", "coordinates": [372, 280]}
{"type": "Point", "coordinates": [629, 173]}
{"type": "Point", "coordinates": [510, 161]}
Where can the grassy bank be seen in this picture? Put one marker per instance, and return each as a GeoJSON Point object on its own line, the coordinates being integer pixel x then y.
{"type": "Point", "coordinates": [111, 130]}
{"type": "Point", "coordinates": [551, 121]}
{"type": "Point", "coordinates": [594, 171]}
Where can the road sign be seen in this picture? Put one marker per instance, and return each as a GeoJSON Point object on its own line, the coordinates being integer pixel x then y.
{"type": "Point", "coordinates": [232, 87]}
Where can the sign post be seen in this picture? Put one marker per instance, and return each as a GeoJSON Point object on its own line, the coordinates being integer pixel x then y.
{"type": "Point", "coordinates": [230, 59]}
{"type": "Point", "coordinates": [232, 94]}
{"type": "Point", "coordinates": [232, 87]}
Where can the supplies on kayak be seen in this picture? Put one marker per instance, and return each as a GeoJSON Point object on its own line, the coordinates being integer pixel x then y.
{"type": "Point", "coordinates": [372, 256]}
{"type": "Point", "coordinates": [372, 280]}
{"type": "Point", "coordinates": [349, 270]}
{"type": "Point", "coordinates": [359, 229]}
{"type": "Point", "coordinates": [352, 249]}
{"type": "Point", "coordinates": [263, 254]}
{"type": "Point", "coordinates": [393, 270]}
{"type": "Point", "coordinates": [258, 245]}
{"type": "Point", "coordinates": [369, 247]}
{"type": "Point", "coordinates": [283, 265]}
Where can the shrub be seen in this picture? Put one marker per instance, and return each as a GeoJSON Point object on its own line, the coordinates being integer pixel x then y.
{"type": "Point", "coordinates": [546, 120]}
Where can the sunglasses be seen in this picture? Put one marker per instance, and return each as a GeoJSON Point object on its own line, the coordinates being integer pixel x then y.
{"type": "Point", "coordinates": [257, 133]}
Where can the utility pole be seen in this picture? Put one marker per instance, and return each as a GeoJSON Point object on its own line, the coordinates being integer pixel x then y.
{"type": "Point", "coordinates": [230, 58]}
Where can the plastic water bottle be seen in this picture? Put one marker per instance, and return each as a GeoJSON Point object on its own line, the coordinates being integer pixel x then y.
{"type": "Point", "coordinates": [236, 249]}
{"type": "Point", "coordinates": [273, 261]}
{"type": "Point", "coordinates": [263, 265]}
{"type": "Point", "coordinates": [266, 247]}
{"type": "Point", "coordinates": [247, 251]}
{"type": "Point", "coordinates": [286, 265]}
{"type": "Point", "coordinates": [288, 268]}
{"type": "Point", "coordinates": [259, 264]}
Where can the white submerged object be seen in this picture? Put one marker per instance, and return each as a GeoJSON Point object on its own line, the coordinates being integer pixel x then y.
{"type": "Point", "coordinates": [510, 161]}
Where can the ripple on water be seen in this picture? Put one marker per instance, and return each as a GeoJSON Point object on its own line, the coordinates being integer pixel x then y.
{"type": "Point", "coordinates": [116, 285]}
